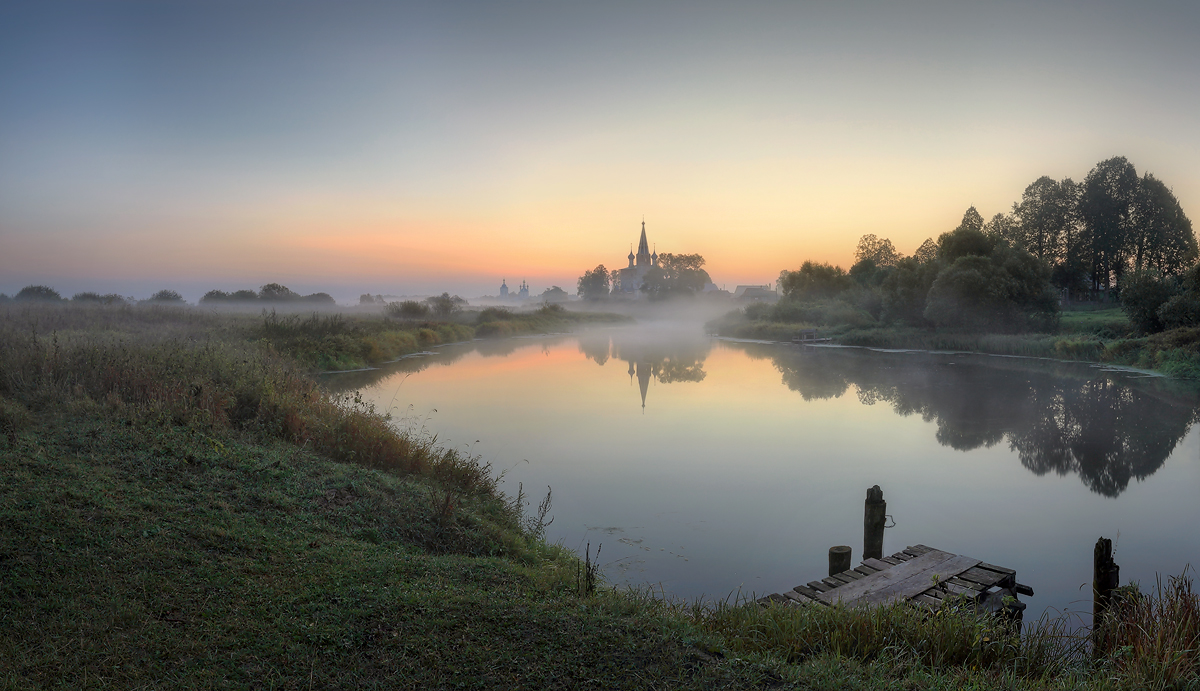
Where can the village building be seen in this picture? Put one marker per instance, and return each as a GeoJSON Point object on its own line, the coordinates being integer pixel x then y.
{"type": "Point", "coordinates": [629, 280]}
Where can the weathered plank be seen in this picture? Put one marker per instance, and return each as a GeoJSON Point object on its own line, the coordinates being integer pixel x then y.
{"type": "Point", "coordinates": [798, 597]}
{"type": "Point", "coordinates": [993, 567]}
{"type": "Point", "coordinates": [920, 549]}
{"type": "Point", "coordinates": [877, 564]}
{"type": "Point", "coordinates": [892, 560]}
{"type": "Point", "coordinates": [819, 586]}
{"type": "Point", "coordinates": [903, 580]}
{"type": "Point", "coordinates": [985, 577]}
{"type": "Point", "coordinates": [813, 594]}
{"type": "Point", "coordinates": [852, 574]}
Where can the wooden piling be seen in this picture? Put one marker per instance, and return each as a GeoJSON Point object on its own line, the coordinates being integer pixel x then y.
{"type": "Point", "coordinates": [874, 516]}
{"type": "Point", "coordinates": [1106, 576]}
{"type": "Point", "coordinates": [840, 559]}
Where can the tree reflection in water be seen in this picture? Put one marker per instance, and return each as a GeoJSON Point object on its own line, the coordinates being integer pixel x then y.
{"type": "Point", "coordinates": [1061, 418]}
{"type": "Point", "coordinates": [1058, 417]}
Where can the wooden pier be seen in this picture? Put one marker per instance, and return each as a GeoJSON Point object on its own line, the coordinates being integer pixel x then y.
{"type": "Point", "coordinates": [921, 575]}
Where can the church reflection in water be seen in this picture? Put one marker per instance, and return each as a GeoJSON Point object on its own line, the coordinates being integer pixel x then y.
{"type": "Point", "coordinates": [664, 360]}
{"type": "Point", "coordinates": [1108, 428]}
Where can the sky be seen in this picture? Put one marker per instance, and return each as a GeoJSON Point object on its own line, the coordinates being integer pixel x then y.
{"type": "Point", "coordinates": [407, 149]}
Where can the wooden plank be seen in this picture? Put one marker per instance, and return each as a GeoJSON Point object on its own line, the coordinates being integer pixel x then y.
{"type": "Point", "coordinates": [812, 594]}
{"type": "Point", "coordinates": [993, 567]}
{"type": "Point", "coordinates": [918, 582]}
{"type": "Point", "coordinates": [892, 560]}
{"type": "Point", "coordinates": [835, 582]}
{"type": "Point", "coordinates": [864, 570]}
{"type": "Point", "coordinates": [901, 556]}
{"type": "Point", "coordinates": [966, 584]}
{"type": "Point", "coordinates": [819, 586]}
{"type": "Point", "coordinates": [920, 549]}
{"type": "Point", "coordinates": [914, 575]}
{"type": "Point", "coordinates": [985, 577]}
{"type": "Point", "coordinates": [877, 564]}
{"type": "Point", "coordinates": [852, 574]}
{"type": "Point", "coordinates": [956, 589]}
{"type": "Point", "coordinates": [797, 597]}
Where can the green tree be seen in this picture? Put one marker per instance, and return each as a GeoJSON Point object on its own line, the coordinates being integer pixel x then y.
{"type": "Point", "coordinates": [880, 251]}
{"type": "Point", "coordinates": [445, 305]}
{"type": "Point", "coordinates": [1160, 234]}
{"type": "Point", "coordinates": [1143, 293]}
{"type": "Point", "coordinates": [594, 284]}
{"type": "Point", "coordinates": [408, 309]}
{"type": "Point", "coordinates": [1045, 216]}
{"type": "Point", "coordinates": [214, 296]}
{"type": "Point", "coordinates": [813, 281]}
{"type": "Point", "coordinates": [554, 294]}
{"type": "Point", "coordinates": [167, 297]}
{"type": "Point", "coordinates": [1008, 290]}
{"type": "Point", "coordinates": [1106, 208]}
{"type": "Point", "coordinates": [905, 289]}
{"type": "Point", "coordinates": [968, 239]}
{"type": "Point", "coordinates": [38, 294]}
{"type": "Point", "coordinates": [675, 275]}
{"type": "Point", "coordinates": [275, 292]}
{"type": "Point", "coordinates": [927, 252]}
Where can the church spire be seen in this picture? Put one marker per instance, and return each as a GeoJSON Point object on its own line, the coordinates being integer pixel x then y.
{"type": "Point", "coordinates": [643, 253]}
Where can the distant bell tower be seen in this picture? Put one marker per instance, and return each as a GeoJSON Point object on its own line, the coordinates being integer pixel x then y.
{"type": "Point", "coordinates": [643, 253]}
{"type": "Point", "coordinates": [503, 289]}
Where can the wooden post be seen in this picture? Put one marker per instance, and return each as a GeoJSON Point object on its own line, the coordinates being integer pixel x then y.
{"type": "Point", "coordinates": [1106, 576]}
{"type": "Point", "coordinates": [874, 517]}
{"type": "Point", "coordinates": [839, 559]}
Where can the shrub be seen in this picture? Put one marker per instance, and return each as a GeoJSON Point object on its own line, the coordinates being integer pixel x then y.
{"type": "Point", "coordinates": [38, 294]}
{"type": "Point", "coordinates": [494, 314]}
{"type": "Point", "coordinates": [409, 309]}
{"type": "Point", "coordinates": [1142, 294]}
{"type": "Point", "coordinates": [167, 297]}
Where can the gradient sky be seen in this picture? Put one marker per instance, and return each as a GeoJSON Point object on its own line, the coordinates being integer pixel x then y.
{"type": "Point", "coordinates": [413, 148]}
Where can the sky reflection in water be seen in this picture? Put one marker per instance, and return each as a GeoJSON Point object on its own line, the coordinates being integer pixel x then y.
{"type": "Point", "coordinates": [749, 460]}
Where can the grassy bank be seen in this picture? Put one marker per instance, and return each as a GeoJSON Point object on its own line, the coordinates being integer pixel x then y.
{"type": "Point", "coordinates": [195, 512]}
{"type": "Point", "coordinates": [1087, 334]}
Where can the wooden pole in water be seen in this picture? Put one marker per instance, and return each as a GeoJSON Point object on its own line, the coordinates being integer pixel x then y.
{"type": "Point", "coordinates": [874, 517]}
{"type": "Point", "coordinates": [1106, 576]}
{"type": "Point", "coordinates": [839, 559]}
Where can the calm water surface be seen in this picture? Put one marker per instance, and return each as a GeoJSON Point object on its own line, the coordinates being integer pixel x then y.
{"type": "Point", "coordinates": [705, 466]}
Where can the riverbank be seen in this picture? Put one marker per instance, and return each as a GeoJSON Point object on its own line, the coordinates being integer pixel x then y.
{"type": "Point", "coordinates": [192, 511]}
{"type": "Point", "coordinates": [1091, 335]}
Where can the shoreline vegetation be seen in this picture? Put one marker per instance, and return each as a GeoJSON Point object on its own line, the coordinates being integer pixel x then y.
{"type": "Point", "coordinates": [1011, 285]}
{"type": "Point", "coordinates": [1088, 333]}
{"type": "Point", "coordinates": [185, 506]}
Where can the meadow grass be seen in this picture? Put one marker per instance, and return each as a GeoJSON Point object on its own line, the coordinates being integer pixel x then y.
{"type": "Point", "coordinates": [197, 512]}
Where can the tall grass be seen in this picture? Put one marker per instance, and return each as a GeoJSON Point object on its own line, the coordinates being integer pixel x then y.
{"type": "Point", "coordinates": [214, 386]}
{"type": "Point", "coordinates": [1153, 639]}
{"type": "Point", "coordinates": [948, 637]}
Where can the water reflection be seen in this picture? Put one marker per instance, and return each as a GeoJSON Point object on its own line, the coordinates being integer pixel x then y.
{"type": "Point", "coordinates": [1109, 428]}
{"type": "Point", "coordinates": [1059, 418]}
{"type": "Point", "coordinates": [679, 358]}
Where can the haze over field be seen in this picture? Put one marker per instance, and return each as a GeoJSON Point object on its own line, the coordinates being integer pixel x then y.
{"type": "Point", "coordinates": [416, 148]}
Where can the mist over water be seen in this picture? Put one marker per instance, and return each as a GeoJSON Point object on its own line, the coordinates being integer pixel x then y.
{"type": "Point", "coordinates": [708, 466]}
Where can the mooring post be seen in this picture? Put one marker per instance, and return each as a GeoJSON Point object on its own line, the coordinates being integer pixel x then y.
{"type": "Point", "coordinates": [874, 517]}
{"type": "Point", "coordinates": [839, 559]}
{"type": "Point", "coordinates": [1106, 576]}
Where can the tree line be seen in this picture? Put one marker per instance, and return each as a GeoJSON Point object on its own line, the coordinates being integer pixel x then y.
{"type": "Point", "coordinates": [1114, 232]}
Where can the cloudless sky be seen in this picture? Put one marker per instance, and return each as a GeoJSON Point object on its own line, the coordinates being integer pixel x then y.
{"type": "Point", "coordinates": [412, 148]}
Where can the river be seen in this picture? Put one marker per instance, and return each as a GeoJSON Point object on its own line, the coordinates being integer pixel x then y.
{"type": "Point", "coordinates": [713, 468]}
